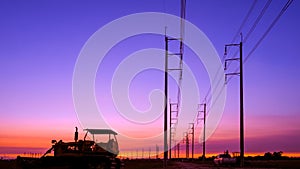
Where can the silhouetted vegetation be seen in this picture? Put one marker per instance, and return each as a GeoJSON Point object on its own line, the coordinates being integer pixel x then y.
{"type": "Point", "coordinates": [270, 156]}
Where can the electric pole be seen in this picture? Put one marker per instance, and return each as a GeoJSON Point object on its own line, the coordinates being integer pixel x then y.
{"type": "Point", "coordinates": [180, 54]}
{"type": "Point", "coordinates": [242, 150]}
{"type": "Point", "coordinates": [165, 104]}
{"type": "Point", "coordinates": [170, 137]}
{"type": "Point", "coordinates": [157, 151]}
{"type": "Point", "coordinates": [242, 144]}
{"type": "Point", "coordinates": [187, 145]}
{"type": "Point", "coordinates": [178, 149]}
{"type": "Point", "coordinates": [173, 120]}
{"type": "Point", "coordinates": [175, 150]}
{"type": "Point", "coordinates": [204, 128]}
{"type": "Point", "coordinates": [193, 134]}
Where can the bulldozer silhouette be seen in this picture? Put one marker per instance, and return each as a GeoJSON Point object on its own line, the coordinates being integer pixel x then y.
{"type": "Point", "coordinates": [100, 152]}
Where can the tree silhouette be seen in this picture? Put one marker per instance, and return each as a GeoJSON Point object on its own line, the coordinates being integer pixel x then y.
{"type": "Point", "coordinates": [268, 156]}
{"type": "Point", "coordinates": [277, 155]}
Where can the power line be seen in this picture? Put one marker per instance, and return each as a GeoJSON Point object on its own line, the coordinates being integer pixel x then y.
{"type": "Point", "coordinates": [257, 20]}
{"type": "Point", "coordinates": [266, 6]}
{"type": "Point", "coordinates": [244, 21]}
{"type": "Point", "coordinates": [285, 7]}
{"type": "Point", "coordinates": [259, 41]}
{"type": "Point", "coordinates": [233, 39]}
{"type": "Point", "coordinates": [269, 29]}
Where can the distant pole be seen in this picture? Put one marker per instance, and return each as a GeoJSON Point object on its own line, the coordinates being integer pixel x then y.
{"type": "Point", "coordinates": [178, 149]}
{"type": "Point", "coordinates": [175, 149]}
{"type": "Point", "coordinates": [192, 139]}
{"type": "Point", "coordinates": [76, 134]}
{"type": "Point", "coordinates": [204, 128]}
{"type": "Point", "coordinates": [165, 104]}
{"type": "Point", "coordinates": [187, 145]}
{"type": "Point", "coordinates": [157, 151]}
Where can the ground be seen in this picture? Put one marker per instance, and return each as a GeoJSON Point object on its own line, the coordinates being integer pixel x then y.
{"type": "Point", "coordinates": [196, 164]}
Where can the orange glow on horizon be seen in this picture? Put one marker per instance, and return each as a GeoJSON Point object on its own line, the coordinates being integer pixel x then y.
{"type": "Point", "coordinates": [132, 154]}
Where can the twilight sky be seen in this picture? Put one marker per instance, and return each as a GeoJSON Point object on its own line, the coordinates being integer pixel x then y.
{"type": "Point", "coordinates": [41, 40]}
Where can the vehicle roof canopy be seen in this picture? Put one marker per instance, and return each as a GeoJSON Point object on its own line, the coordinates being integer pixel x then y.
{"type": "Point", "coordinates": [101, 131]}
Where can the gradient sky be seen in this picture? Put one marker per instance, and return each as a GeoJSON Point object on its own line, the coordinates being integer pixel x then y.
{"type": "Point", "coordinates": [41, 40]}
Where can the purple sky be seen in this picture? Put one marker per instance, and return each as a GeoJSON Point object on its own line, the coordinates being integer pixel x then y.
{"type": "Point", "coordinates": [40, 42]}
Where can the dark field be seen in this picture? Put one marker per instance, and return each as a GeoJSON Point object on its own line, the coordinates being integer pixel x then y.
{"type": "Point", "coordinates": [157, 164]}
{"type": "Point", "coordinates": [270, 164]}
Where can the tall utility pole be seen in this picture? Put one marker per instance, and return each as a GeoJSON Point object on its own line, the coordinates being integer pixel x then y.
{"type": "Point", "coordinates": [173, 120]}
{"type": "Point", "coordinates": [242, 144]}
{"type": "Point", "coordinates": [182, 23]}
{"type": "Point", "coordinates": [165, 104]}
{"type": "Point", "coordinates": [242, 150]}
{"type": "Point", "coordinates": [170, 136]}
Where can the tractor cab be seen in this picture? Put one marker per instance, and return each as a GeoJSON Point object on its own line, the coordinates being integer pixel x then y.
{"type": "Point", "coordinates": [104, 139]}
